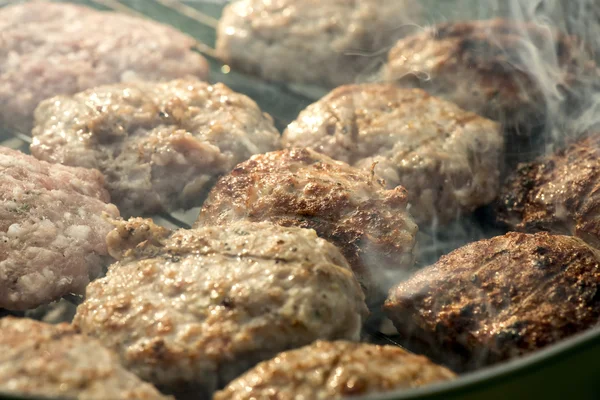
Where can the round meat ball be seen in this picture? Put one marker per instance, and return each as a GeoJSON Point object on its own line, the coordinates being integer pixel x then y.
{"type": "Point", "coordinates": [53, 225]}
{"type": "Point", "coordinates": [310, 41]}
{"type": "Point", "coordinates": [193, 309]}
{"type": "Point", "coordinates": [349, 207]}
{"type": "Point", "coordinates": [334, 370]}
{"type": "Point", "coordinates": [448, 159]}
{"type": "Point", "coordinates": [161, 146]}
{"type": "Point", "coordinates": [497, 299]}
{"type": "Point", "coordinates": [50, 48]}
{"type": "Point", "coordinates": [42, 360]}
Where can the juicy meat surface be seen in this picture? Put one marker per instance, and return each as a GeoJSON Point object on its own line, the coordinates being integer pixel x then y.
{"type": "Point", "coordinates": [334, 370]}
{"type": "Point", "coordinates": [559, 193]}
{"type": "Point", "coordinates": [161, 146]}
{"type": "Point", "coordinates": [346, 206]}
{"type": "Point", "coordinates": [448, 159]}
{"type": "Point", "coordinates": [52, 229]}
{"type": "Point", "coordinates": [38, 359]}
{"type": "Point", "coordinates": [501, 69]}
{"type": "Point", "coordinates": [309, 41]}
{"type": "Point", "coordinates": [497, 299]}
{"type": "Point", "coordinates": [51, 48]}
{"type": "Point", "coordinates": [191, 310]}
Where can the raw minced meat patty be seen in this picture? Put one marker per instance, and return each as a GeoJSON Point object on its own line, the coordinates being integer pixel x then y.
{"type": "Point", "coordinates": [160, 146]}
{"type": "Point", "coordinates": [499, 298]}
{"type": "Point", "coordinates": [349, 207]}
{"type": "Point", "coordinates": [334, 370]}
{"type": "Point", "coordinates": [51, 48]}
{"type": "Point", "coordinates": [52, 229]}
{"type": "Point", "coordinates": [448, 159]}
{"type": "Point", "coordinates": [191, 310]}
{"type": "Point", "coordinates": [505, 70]}
{"type": "Point", "coordinates": [309, 41]}
{"type": "Point", "coordinates": [38, 359]}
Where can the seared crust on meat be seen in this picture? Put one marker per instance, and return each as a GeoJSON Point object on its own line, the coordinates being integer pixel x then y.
{"type": "Point", "coordinates": [448, 159]}
{"type": "Point", "coordinates": [50, 48]}
{"type": "Point", "coordinates": [310, 41]}
{"type": "Point", "coordinates": [38, 359]}
{"type": "Point", "coordinates": [332, 370]}
{"type": "Point", "coordinates": [496, 299]}
{"type": "Point", "coordinates": [192, 310]}
{"type": "Point", "coordinates": [559, 193]}
{"type": "Point", "coordinates": [348, 207]}
{"type": "Point", "coordinates": [486, 67]}
{"type": "Point", "coordinates": [161, 146]}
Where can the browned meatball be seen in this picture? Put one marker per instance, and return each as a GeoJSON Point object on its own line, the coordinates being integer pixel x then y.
{"type": "Point", "coordinates": [559, 193]}
{"type": "Point", "coordinates": [497, 299]}
{"type": "Point", "coordinates": [502, 69]}
{"type": "Point", "coordinates": [349, 207]}
{"type": "Point", "coordinates": [332, 370]}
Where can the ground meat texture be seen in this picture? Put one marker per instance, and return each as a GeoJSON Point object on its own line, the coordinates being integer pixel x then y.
{"type": "Point", "coordinates": [308, 41]}
{"type": "Point", "coordinates": [193, 310]}
{"type": "Point", "coordinates": [349, 207]}
{"type": "Point", "coordinates": [559, 193]}
{"type": "Point", "coordinates": [334, 370]}
{"type": "Point", "coordinates": [37, 359]}
{"type": "Point", "coordinates": [448, 159]}
{"type": "Point", "coordinates": [501, 69]}
{"type": "Point", "coordinates": [161, 146]}
{"type": "Point", "coordinates": [52, 229]}
{"type": "Point", "coordinates": [51, 48]}
{"type": "Point", "coordinates": [497, 299]}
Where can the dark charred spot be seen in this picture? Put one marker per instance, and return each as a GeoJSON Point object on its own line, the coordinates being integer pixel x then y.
{"type": "Point", "coordinates": [228, 303]}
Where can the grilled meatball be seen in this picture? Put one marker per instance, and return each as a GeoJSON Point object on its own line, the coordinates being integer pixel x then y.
{"type": "Point", "coordinates": [332, 370]}
{"type": "Point", "coordinates": [447, 159]}
{"type": "Point", "coordinates": [505, 70]}
{"type": "Point", "coordinates": [191, 310]}
{"type": "Point", "coordinates": [49, 48]}
{"type": "Point", "coordinates": [38, 359]}
{"type": "Point", "coordinates": [350, 208]}
{"type": "Point", "coordinates": [500, 298]}
{"type": "Point", "coordinates": [308, 41]}
{"type": "Point", "coordinates": [558, 193]}
{"type": "Point", "coordinates": [160, 145]}
{"type": "Point", "coordinates": [52, 229]}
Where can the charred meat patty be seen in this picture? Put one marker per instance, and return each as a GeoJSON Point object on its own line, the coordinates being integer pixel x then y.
{"type": "Point", "coordinates": [308, 41]}
{"type": "Point", "coordinates": [559, 193]}
{"type": "Point", "coordinates": [349, 207]}
{"type": "Point", "coordinates": [334, 370]}
{"type": "Point", "coordinates": [193, 309]}
{"type": "Point", "coordinates": [448, 159]}
{"type": "Point", "coordinates": [39, 359]}
{"type": "Point", "coordinates": [505, 70]}
{"type": "Point", "coordinates": [51, 48]}
{"type": "Point", "coordinates": [497, 299]}
{"type": "Point", "coordinates": [52, 229]}
{"type": "Point", "coordinates": [161, 146]}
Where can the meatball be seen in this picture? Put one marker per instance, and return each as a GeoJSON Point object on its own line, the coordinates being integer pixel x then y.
{"type": "Point", "coordinates": [308, 41]}
{"type": "Point", "coordinates": [448, 159]}
{"type": "Point", "coordinates": [559, 193]}
{"type": "Point", "coordinates": [505, 70]}
{"type": "Point", "coordinates": [161, 146]}
{"type": "Point", "coordinates": [38, 359]}
{"type": "Point", "coordinates": [346, 206]}
{"type": "Point", "coordinates": [500, 298]}
{"type": "Point", "coordinates": [50, 48]}
{"type": "Point", "coordinates": [52, 229]}
{"type": "Point", "coordinates": [334, 370]}
{"type": "Point", "coordinates": [191, 310]}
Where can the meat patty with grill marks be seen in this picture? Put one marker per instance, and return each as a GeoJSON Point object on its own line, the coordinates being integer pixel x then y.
{"type": "Point", "coordinates": [349, 207]}
{"type": "Point", "coordinates": [448, 159]}
{"type": "Point", "coordinates": [497, 299]}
